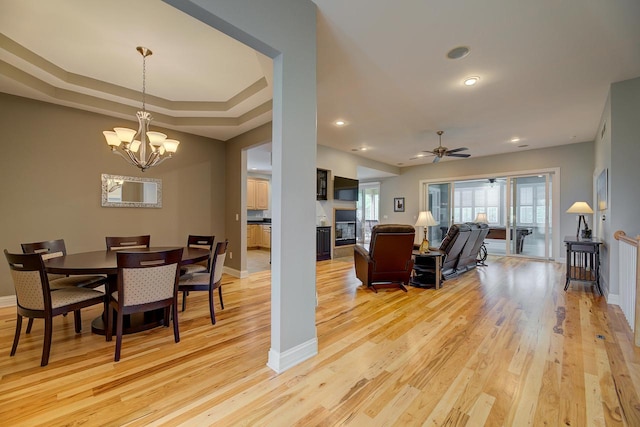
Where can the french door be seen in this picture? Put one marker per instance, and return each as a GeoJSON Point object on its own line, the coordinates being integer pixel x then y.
{"type": "Point", "coordinates": [517, 209]}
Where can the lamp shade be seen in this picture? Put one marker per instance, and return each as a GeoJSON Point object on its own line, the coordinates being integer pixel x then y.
{"type": "Point", "coordinates": [482, 218]}
{"type": "Point", "coordinates": [425, 219]}
{"type": "Point", "coordinates": [580, 208]}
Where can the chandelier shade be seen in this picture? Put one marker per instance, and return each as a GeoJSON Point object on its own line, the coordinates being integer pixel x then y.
{"type": "Point", "coordinates": [132, 145]}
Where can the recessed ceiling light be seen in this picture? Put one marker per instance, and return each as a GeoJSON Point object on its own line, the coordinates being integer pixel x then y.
{"type": "Point", "coordinates": [420, 155]}
{"type": "Point", "coordinates": [458, 52]}
{"type": "Point", "coordinates": [515, 139]}
{"type": "Point", "coordinates": [254, 169]}
{"type": "Point", "coordinates": [363, 149]}
{"type": "Point", "coordinates": [340, 123]}
{"type": "Point", "coordinates": [470, 81]}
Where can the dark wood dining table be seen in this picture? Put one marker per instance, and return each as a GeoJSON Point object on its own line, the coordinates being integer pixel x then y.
{"type": "Point", "coordinates": [104, 262]}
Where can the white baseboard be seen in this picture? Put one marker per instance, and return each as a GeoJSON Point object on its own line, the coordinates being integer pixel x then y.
{"type": "Point", "coordinates": [280, 362]}
{"type": "Point", "coordinates": [8, 301]}
{"type": "Point", "coordinates": [613, 299]}
{"type": "Point", "coordinates": [236, 273]}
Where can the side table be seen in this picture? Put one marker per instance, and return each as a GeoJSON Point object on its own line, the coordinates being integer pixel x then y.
{"type": "Point", "coordinates": [426, 269]}
{"type": "Point", "coordinates": [583, 261]}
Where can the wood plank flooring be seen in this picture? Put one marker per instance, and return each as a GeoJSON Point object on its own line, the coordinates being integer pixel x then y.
{"type": "Point", "coordinates": [503, 345]}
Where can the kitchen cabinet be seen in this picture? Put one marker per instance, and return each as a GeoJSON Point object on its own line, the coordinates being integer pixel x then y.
{"type": "Point", "coordinates": [253, 236]}
{"type": "Point", "coordinates": [323, 243]}
{"type": "Point", "coordinates": [266, 236]}
{"type": "Point", "coordinates": [322, 179]}
{"type": "Point", "coordinates": [257, 194]}
{"type": "Point", "coordinates": [251, 193]}
{"type": "Point", "coordinates": [258, 236]}
{"type": "Point", "coordinates": [262, 194]}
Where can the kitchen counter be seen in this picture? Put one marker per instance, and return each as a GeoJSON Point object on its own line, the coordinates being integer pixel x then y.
{"type": "Point", "coordinates": [263, 221]}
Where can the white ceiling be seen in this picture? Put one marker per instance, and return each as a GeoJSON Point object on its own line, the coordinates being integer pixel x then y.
{"type": "Point", "coordinates": [83, 54]}
{"type": "Point", "coordinates": [545, 68]}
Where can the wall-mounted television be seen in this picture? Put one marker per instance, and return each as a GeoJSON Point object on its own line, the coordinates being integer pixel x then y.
{"type": "Point", "coordinates": [345, 188]}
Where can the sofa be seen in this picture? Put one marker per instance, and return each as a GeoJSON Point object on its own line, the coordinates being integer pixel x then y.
{"type": "Point", "coordinates": [460, 248]}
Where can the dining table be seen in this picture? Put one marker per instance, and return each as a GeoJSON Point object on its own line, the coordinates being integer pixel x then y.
{"type": "Point", "coordinates": [105, 262]}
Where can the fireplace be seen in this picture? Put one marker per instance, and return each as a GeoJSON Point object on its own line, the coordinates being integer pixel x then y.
{"type": "Point", "coordinates": [345, 227]}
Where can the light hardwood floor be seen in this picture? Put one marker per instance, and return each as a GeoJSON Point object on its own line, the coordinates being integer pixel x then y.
{"type": "Point", "coordinates": [502, 345]}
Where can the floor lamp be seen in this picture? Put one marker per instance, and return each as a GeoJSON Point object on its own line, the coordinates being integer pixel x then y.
{"type": "Point", "coordinates": [426, 220]}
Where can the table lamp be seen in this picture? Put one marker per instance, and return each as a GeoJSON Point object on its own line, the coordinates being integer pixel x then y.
{"type": "Point", "coordinates": [426, 220]}
{"type": "Point", "coordinates": [482, 218]}
{"type": "Point", "coordinates": [581, 208]}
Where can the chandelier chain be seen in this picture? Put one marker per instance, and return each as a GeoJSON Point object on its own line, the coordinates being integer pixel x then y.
{"type": "Point", "coordinates": [144, 82]}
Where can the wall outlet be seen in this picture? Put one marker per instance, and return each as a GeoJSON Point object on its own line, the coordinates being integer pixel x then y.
{"type": "Point", "coordinates": [230, 255]}
{"type": "Point", "coordinates": [237, 217]}
{"type": "Point", "coordinates": [385, 217]}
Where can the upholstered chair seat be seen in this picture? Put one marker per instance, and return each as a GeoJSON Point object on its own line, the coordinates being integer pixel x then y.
{"type": "Point", "coordinates": [57, 248]}
{"type": "Point", "coordinates": [36, 300]}
{"type": "Point", "coordinates": [146, 281]}
{"type": "Point", "coordinates": [200, 242]}
{"type": "Point", "coordinates": [207, 281]}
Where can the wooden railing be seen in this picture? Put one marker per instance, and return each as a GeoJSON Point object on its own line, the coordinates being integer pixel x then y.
{"type": "Point", "coordinates": [629, 280]}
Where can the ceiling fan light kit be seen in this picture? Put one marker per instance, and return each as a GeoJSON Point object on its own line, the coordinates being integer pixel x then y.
{"type": "Point", "coordinates": [441, 151]}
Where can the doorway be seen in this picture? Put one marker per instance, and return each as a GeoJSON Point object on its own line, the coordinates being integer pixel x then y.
{"type": "Point", "coordinates": [367, 211]}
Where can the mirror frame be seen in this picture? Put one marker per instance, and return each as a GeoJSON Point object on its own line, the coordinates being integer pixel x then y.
{"type": "Point", "coordinates": [105, 192]}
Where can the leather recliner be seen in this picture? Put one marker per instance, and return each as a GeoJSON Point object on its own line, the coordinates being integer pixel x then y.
{"type": "Point", "coordinates": [388, 262]}
{"type": "Point", "coordinates": [451, 247]}
{"type": "Point", "coordinates": [469, 255]}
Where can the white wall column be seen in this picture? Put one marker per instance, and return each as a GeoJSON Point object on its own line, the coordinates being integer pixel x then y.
{"type": "Point", "coordinates": [285, 30]}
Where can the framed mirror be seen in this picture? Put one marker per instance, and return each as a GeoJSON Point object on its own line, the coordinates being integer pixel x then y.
{"type": "Point", "coordinates": [120, 191]}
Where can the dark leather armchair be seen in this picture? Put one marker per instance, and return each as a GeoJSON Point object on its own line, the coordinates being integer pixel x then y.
{"type": "Point", "coordinates": [388, 262]}
{"type": "Point", "coordinates": [469, 255]}
{"type": "Point", "coordinates": [452, 247]}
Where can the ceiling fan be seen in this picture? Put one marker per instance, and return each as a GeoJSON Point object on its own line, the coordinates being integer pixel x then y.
{"type": "Point", "coordinates": [441, 151]}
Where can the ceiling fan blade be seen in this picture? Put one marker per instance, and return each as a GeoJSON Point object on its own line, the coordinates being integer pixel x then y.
{"type": "Point", "coordinates": [455, 150]}
{"type": "Point", "coordinates": [457, 155]}
{"type": "Point", "coordinates": [429, 153]}
{"type": "Point", "coordinates": [436, 159]}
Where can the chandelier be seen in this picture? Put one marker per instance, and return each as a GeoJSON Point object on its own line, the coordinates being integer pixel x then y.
{"type": "Point", "coordinates": [131, 145]}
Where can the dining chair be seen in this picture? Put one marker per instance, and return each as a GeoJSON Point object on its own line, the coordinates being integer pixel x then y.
{"type": "Point", "coordinates": [146, 281]}
{"type": "Point", "coordinates": [56, 248]}
{"type": "Point", "coordinates": [200, 242]}
{"type": "Point", "coordinates": [35, 300]}
{"type": "Point", "coordinates": [133, 242]}
{"type": "Point", "coordinates": [207, 281]}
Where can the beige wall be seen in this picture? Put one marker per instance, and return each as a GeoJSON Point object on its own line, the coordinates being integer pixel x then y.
{"type": "Point", "coordinates": [50, 167]}
{"type": "Point", "coordinates": [236, 177]}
